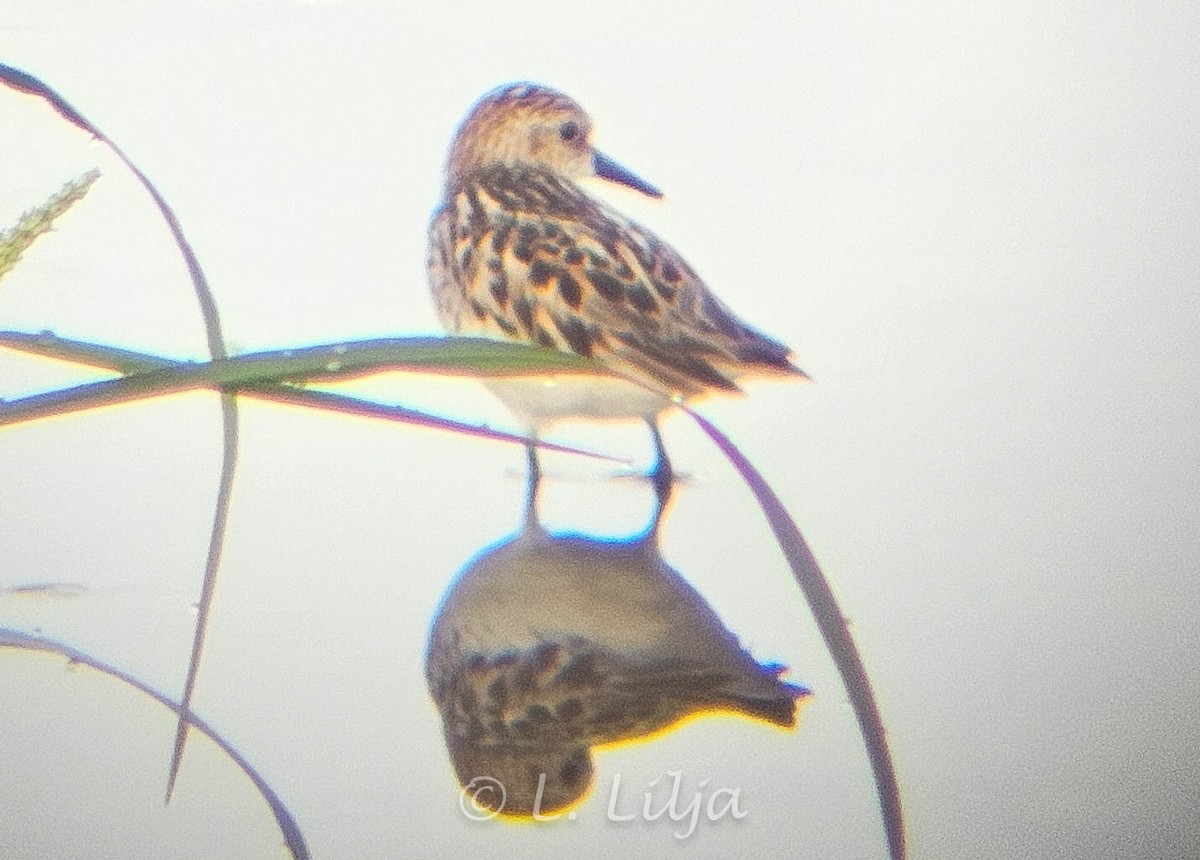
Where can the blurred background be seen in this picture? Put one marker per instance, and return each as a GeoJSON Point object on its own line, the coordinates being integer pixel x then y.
{"type": "Point", "coordinates": [977, 228]}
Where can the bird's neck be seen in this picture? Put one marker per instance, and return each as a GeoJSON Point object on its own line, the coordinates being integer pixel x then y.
{"type": "Point", "coordinates": [521, 186]}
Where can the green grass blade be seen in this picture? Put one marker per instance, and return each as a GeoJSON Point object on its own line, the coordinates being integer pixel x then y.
{"type": "Point", "coordinates": [465, 361]}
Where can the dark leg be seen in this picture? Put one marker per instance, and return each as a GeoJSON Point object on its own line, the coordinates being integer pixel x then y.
{"type": "Point", "coordinates": [663, 476]}
{"type": "Point", "coordinates": [535, 481]}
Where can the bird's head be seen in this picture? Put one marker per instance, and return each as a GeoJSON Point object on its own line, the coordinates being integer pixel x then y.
{"type": "Point", "coordinates": [531, 126]}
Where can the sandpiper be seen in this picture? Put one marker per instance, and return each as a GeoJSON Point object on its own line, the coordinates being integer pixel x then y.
{"type": "Point", "coordinates": [518, 251]}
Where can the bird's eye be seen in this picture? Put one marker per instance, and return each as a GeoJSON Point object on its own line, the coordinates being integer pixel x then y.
{"type": "Point", "coordinates": [569, 131]}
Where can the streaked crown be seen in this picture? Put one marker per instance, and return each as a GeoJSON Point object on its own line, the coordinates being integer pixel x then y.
{"type": "Point", "coordinates": [525, 125]}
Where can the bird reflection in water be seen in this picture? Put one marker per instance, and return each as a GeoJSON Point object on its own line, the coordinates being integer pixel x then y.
{"type": "Point", "coordinates": [546, 646]}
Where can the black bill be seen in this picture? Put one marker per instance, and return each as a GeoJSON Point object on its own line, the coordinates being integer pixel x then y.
{"type": "Point", "coordinates": [610, 170]}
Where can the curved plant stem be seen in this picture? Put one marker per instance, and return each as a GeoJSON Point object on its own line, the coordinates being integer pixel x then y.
{"type": "Point", "coordinates": [832, 625]}
{"type": "Point", "coordinates": [292, 836]}
{"type": "Point", "coordinates": [216, 347]}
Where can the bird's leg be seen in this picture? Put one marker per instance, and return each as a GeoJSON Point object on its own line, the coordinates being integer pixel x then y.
{"type": "Point", "coordinates": [662, 476]}
{"type": "Point", "coordinates": [535, 480]}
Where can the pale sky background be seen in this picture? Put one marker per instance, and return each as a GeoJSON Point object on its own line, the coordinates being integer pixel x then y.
{"type": "Point", "coordinates": [979, 228]}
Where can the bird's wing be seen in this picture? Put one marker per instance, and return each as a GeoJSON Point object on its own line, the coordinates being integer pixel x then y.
{"type": "Point", "coordinates": [542, 262]}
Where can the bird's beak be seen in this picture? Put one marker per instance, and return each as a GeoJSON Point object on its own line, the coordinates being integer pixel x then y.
{"type": "Point", "coordinates": [608, 169]}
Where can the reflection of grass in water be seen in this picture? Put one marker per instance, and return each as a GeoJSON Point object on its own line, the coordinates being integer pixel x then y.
{"type": "Point", "coordinates": [277, 376]}
{"type": "Point", "coordinates": [38, 590]}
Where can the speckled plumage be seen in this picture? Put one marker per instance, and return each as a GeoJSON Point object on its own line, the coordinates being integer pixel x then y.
{"type": "Point", "coordinates": [546, 647]}
{"type": "Point", "coordinates": [518, 251]}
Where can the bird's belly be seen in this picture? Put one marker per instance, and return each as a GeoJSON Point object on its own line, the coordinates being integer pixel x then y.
{"type": "Point", "coordinates": [542, 400]}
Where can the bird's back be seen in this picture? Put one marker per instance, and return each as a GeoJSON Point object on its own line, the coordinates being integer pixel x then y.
{"type": "Point", "coordinates": [522, 254]}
